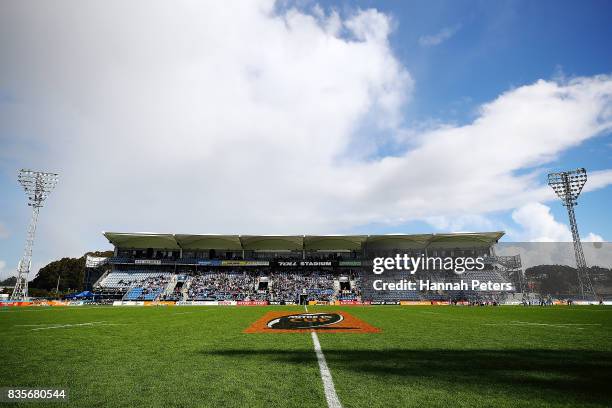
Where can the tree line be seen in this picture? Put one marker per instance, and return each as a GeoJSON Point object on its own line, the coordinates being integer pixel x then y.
{"type": "Point", "coordinates": [563, 279]}
{"type": "Point", "coordinates": [70, 271]}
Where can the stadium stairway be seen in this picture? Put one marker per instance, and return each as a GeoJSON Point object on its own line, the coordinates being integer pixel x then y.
{"type": "Point", "coordinates": [186, 286]}
{"type": "Point", "coordinates": [171, 285]}
{"type": "Point", "coordinates": [98, 283]}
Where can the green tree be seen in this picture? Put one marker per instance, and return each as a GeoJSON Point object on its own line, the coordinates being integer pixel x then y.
{"type": "Point", "coordinates": [70, 271]}
{"type": "Point", "coordinates": [553, 279]}
{"type": "Point", "coordinates": [9, 281]}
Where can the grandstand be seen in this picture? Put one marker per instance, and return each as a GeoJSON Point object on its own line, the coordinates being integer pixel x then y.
{"type": "Point", "coordinates": [279, 269]}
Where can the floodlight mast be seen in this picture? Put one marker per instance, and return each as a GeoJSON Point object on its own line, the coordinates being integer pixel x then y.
{"type": "Point", "coordinates": [568, 185]}
{"type": "Point", "coordinates": [37, 186]}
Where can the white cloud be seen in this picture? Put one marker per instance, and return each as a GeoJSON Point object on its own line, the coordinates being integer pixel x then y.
{"type": "Point", "coordinates": [2, 266]}
{"type": "Point", "coordinates": [439, 37]}
{"type": "Point", "coordinates": [597, 180]}
{"type": "Point", "coordinates": [202, 117]}
{"type": "Point", "coordinates": [591, 237]}
{"type": "Point", "coordinates": [539, 225]}
{"type": "Point", "coordinates": [543, 240]}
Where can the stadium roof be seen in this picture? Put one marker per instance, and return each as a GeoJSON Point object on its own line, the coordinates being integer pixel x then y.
{"type": "Point", "coordinates": [459, 240]}
{"type": "Point", "coordinates": [268, 242]}
{"type": "Point", "coordinates": [142, 240]}
{"type": "Point", "coordinates": [230, 242]}
{"type": "Point", "coordinates": [299, 242]}
{"type": "Point", "coordinates": [334, 242]}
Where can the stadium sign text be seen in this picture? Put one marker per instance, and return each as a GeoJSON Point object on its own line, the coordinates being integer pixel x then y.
{"type": "Point", "coordinates": [305, 263]}
{"type": "Point", "coordinates": [147, 262]}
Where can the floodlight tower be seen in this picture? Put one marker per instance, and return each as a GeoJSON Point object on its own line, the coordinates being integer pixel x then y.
{"type": "Point", "coordinates": [37, 186]}
{"type": "Point", "coordinates": [568, 185]}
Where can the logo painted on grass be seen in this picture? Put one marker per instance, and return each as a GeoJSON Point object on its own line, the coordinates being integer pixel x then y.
{"type": "Point", "coordinates": [305, 321]}
{"type": "Point", "coordinates": [327, 322]}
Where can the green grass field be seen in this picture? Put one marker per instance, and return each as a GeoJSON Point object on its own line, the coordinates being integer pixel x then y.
{"type": "Point", "coordinates": [425, 356]}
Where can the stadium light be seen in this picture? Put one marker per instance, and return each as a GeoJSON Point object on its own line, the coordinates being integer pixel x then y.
{"type": "Point", "coordinates": [37, 186]}
{"type": "Point", "coordinates": [568, 185]}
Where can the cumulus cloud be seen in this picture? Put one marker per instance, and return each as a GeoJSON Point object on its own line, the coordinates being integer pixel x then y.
{"type": "Point", "coordinates": [193, 117]}
{"type": "Point", "coordinates": [592, 237]}
{"type": "Point", "coordinates": [542, 240]}
{"type": "Point", "coordinates": [539, 225]}
{"type": "Point", "coordinates": [439, 37]}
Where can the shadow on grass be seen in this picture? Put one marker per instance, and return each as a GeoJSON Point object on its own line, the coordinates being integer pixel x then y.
{"type": "Point", "coordinates": [568, 374]}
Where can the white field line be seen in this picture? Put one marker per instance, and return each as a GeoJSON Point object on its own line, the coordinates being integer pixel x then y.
{"type": "Point", "coordinates": [556, 324]}
{"type": "Point", "coordinates": [328, 383]}
{"type": "Point", "coordinates": [527, 325]}
{"type": "Point", "coordinates": [63, 326]}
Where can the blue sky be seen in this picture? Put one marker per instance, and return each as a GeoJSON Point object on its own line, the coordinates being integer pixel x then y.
{"type": "Point", "coordinates": [299, 117]}
{"type": "Point", "coordinates": [497, 46]}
